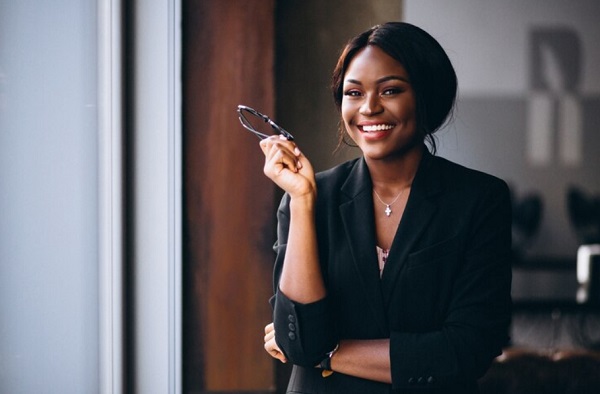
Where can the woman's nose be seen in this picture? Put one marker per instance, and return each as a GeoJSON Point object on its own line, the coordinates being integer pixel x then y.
{"type": "Point", "coordinates": [371, 105]}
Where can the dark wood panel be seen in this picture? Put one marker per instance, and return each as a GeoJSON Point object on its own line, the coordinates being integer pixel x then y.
{"type": "Point", "coordinates": [229, 204]}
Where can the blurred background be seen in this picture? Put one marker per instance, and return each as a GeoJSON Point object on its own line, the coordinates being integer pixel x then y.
{"type": "Point", "coordinates": [136, 224]}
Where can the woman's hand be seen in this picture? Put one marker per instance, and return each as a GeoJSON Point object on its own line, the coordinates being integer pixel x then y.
{"type": "Point", "coordinates": [288, 167]}
{"type": "Point", "coordinates": [270, 345]}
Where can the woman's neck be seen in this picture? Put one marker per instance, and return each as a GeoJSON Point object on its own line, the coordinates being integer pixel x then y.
{"type": "Point", "coordinates": [392, 174]}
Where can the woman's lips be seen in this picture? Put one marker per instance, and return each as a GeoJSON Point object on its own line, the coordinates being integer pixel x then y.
{"type": "Point", "coordinates": [375, 132]}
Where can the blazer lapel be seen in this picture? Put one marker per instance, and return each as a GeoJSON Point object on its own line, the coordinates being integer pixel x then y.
{"type": "Point", "coordinates": [416, 218]}
{"type": "Point", "coordinates": [357, 217]}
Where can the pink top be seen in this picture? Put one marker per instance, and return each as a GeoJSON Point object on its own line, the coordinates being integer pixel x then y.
{"type": "Point", "coordinates": [382, 255]}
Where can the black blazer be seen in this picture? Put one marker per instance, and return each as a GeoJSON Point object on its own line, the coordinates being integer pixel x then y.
{"type": "Point", "coordinates": [443, 298]}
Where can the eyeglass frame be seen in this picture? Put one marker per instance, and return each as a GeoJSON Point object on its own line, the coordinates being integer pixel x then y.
{"type": "Point", "coordinates": [248, 126]}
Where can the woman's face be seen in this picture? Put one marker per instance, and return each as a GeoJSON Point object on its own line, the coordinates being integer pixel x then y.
{"type": "Point", "coordinates": [378, 105]}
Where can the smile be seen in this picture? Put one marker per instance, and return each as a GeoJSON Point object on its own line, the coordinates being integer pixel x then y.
{"type": "Point", "coordinates": [376, 127]}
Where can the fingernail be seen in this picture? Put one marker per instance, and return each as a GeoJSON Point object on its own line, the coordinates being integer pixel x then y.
{"type": "Point", "coordinates": [297, 151]}
{"type": "Point", "coordinates": [299, 164]}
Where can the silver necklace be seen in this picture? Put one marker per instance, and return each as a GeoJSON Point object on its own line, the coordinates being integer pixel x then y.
{"type": "Point", "coordinates": [388, 209]}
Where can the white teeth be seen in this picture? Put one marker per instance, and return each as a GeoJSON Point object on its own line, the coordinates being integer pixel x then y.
{"type": "Point", "coordinates": [378, 127]}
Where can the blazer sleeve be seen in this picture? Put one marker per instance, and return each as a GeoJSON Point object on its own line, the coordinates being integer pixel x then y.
{"type": "Point", "coordinates": [476, 326]}
{"type": "Point", "coordinates": [304, 332]}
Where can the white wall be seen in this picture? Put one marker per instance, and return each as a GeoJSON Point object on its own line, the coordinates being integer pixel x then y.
{"type": "Point", "coordinates": [488, 40]}
{"type": "Point", "coordinates": [541, 139]}
{"type": "Point", "coordinates": [48, 197]}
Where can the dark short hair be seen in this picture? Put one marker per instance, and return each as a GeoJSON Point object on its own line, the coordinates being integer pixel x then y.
{"type": "Point", "coordinates": [429, 69]}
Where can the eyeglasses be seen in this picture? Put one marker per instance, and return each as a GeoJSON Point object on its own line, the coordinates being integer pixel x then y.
{"type": "Point", "coordinates": [253, 121]}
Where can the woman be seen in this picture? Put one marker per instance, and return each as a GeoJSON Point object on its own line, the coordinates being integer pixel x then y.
{"type": "Point", "coordinates": [392, 271]}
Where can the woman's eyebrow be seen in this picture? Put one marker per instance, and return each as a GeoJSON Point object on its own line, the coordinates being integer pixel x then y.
{"type": "Point", "coordinates": [381, 80]}
{"type": "Point", "coordinates": [354, 81]}
{"type": "Point", "coordinates": [392, 78]}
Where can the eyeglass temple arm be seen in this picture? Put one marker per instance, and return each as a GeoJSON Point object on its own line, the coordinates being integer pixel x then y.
{"type": "Point", "coordinates": [256, 133]}
{"type": "Point", "coordinates": [281, 130]}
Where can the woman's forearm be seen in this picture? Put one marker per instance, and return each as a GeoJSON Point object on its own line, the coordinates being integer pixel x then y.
{"type": "Point", "coordinates": [367, 359]}
{"type": "Point", "coordinates": [301, 278]}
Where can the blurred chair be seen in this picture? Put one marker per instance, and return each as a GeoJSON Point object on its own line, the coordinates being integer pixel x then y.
{"type": "Point", "coordinates": [526, 217]}
{"type": "Point", "coordinates": [522, 371]}
{"type": "Point", "coordinates": [584, 214]}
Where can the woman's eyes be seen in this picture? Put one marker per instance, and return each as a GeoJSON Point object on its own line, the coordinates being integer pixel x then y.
{"type": "Point", "coordinates": [384, 92]}
{"type": "Point", "coordinates": [352, 93]}
{"type": "Point", "coordinates": [391, 91]}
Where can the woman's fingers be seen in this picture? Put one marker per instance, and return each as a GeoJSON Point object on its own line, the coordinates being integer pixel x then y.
{"type": "Point", "coordinates": [269, 336]}
{"type": "Point", "coordinates": [269, 327]}
{"type": "Point", "coordinates": [287, 166]}
{"type": "Point", "coordinates": [280, 154]}
{"type": "Point", "coordinates": [270, 344]}
{"type": "Point", "coordinates": [274, 351]}
{"type": "Point", "coordinates": [269, 332]}
{"type": "Point", "coordinates": [279, 161]}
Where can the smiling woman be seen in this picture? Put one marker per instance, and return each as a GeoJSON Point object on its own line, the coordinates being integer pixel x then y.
{"type": "Point", "coordinates": [415, 296]}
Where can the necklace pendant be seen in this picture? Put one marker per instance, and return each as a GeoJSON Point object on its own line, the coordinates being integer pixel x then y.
{"type": "Point", "coordinates": [388, 210]}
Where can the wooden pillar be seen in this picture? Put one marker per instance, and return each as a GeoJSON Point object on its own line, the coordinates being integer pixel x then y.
{"type": "Point", "coordinates": [229, 207]}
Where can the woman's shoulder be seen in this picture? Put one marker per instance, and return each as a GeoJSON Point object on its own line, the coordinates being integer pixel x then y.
{"type": "Point", "coordinates": [330, 182]}
{"type": "Point", "coordinates": [460, 176]}
{"type": "Point", "coordinates": [338, 173]}
{"type": "Point", "coordinates": [344, 178]}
